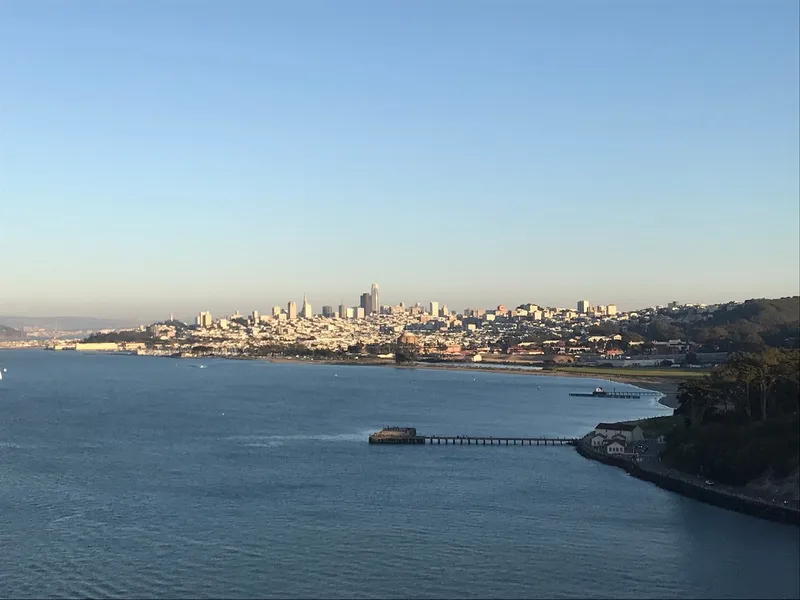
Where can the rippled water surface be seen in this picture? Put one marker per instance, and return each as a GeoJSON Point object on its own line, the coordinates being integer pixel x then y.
{"type": "Point", "coordinates": [129, 477]}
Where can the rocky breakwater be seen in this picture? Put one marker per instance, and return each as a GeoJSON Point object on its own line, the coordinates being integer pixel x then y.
{"type": "Point", "coordinates": [649, 468]}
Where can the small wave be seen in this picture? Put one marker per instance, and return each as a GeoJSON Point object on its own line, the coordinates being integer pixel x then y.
{"type": "Point", "coordinates": [655, 401]}
{"type": "Point", "coordinates": [13, 445]}
{"type": "Point", "coordinates": [264, 445]}
{"type": "Point", "coordinates": [66, 518]}
{"type": "Point", "coordinates": [267, 440]}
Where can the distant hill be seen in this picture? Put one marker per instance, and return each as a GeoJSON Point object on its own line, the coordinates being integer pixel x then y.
{"type": "Point", "coordinates": [762, 312]}
{"type": "Point", "coordinates": [753, 324]}
{"type": "Point", "coordinates": [749, 326]}
{"type": "Point", "coordinates": [67, 323]}
{"type": "Point", "coordinates": [7, 333]}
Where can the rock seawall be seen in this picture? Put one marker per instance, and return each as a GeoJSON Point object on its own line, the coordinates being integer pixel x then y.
{"type": "Point", "coordinates": [703, 494]}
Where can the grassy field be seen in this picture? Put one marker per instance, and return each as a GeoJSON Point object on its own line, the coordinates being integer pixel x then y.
{"type": "Point", "coordinates": [660, 372]}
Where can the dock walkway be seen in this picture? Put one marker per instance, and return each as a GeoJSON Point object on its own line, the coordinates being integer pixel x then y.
{"type": "Point", "coordinates": [408, 435]}
{"type": "Point", "coordinates": [632, 395]}
{"type": "Point", "coordinates": [601, 393]}
{"type": "Point", "coordinates": [499, 441]}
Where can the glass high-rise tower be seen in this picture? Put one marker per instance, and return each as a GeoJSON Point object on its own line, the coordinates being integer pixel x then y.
{"type": "Point", "coordinates": [375, 303]}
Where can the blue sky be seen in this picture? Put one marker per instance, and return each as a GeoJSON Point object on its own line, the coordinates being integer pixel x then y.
{"type": "Point", "coordinates": [161, 156]}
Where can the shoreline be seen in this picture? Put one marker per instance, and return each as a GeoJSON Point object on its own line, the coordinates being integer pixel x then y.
{"type": "Point", "coordinates": [682, 483]}
{"type": "Point", "coordinates": [736, 498]}
{"type": "Point", "coordinates": [667, 387]}
{"type": "Point", "coordinates": [673, 481]}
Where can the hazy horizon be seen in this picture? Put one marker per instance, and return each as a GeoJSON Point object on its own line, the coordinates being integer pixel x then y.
{"type": "Point", "coordinates": [180, 157]}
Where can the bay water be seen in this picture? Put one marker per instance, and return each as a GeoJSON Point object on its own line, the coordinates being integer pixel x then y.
{"type": "Point", "coordinates": [125, 476]}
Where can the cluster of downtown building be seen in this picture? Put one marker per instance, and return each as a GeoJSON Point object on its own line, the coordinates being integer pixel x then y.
{"type": "Point", "coordinates": [369, 304]}
{"type": "Point", "coordinates": [435, 327]}
{"type": "Point", "coordinates": [587, 334]}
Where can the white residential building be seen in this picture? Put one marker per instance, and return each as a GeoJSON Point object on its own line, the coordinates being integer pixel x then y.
{"type": "Point", "coordinates": [598, 440]}
{"type": "Point", "coordinates": [630, 433]}
{"type": "Point", "coordinates": [615, 448]}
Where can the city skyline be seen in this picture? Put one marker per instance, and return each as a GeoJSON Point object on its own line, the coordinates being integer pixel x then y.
{"type": "Point", "coordinates": [351, 301]}
{"type": "Point", "coordinates": [166, 160]}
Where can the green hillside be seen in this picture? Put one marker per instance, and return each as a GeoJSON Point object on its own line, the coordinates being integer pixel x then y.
{"type": "Point", "coordinates": [750, 326]}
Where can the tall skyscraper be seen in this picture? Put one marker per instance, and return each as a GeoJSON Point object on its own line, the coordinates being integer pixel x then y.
{"type": "Point", "coordinates": [306, 311]}
{"type": "Point", "coordinates": [276, 311]}
{"type": "Point", "coordinates": [375, 305]}
{"type": "Point", "coordinates": [366, 302]}
{"type": "Point", "coordinates": [204, 319]}
{"type": "Point", "coordinates": [434, 308]}
{"type": "Point", "coordinates": [256, 317]}
{"type": "Point", "coordinates": [342, 311]}
{"type": "Point", "coordinates": [583, 306]}
{"type": "Point", "coordinates": [291, 310]}
{"type": "Point", "coordinates": [327, 311]}
{"type": "Point", "coordinates": [611, 310]}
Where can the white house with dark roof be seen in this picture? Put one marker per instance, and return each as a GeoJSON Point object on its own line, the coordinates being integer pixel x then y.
{"type": "Point", "coordinates": [615, 447]}
{"type": "Point", "coordinates": [632, 433]}
{"type": "Point", "coordinates": [598, 440]}
{"type": "Point", "coordinates": [618, 437]}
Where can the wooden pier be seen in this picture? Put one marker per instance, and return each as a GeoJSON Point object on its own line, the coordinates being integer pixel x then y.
{"type": "Point", "coordinates": [601, 393]}
{"type": "Point", "coordinates": [468, 440]}
{"type": "Point", "coordinates": [632, 395]}
{"type": "Point", "coordinates": [408, 435]}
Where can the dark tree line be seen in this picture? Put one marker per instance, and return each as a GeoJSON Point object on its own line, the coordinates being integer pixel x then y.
{"type": "Point", "coordinates": [120, 336]}
{"type": "Point", "coordinates": [752, 386]}
{"type": "Point", "coordinates": [741, 421]}
{"type": "Point", "coordinates": [405, 353]}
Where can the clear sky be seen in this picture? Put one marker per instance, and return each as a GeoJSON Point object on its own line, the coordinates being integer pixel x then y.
{"type": "Point", "coordinates": [161, 155]}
